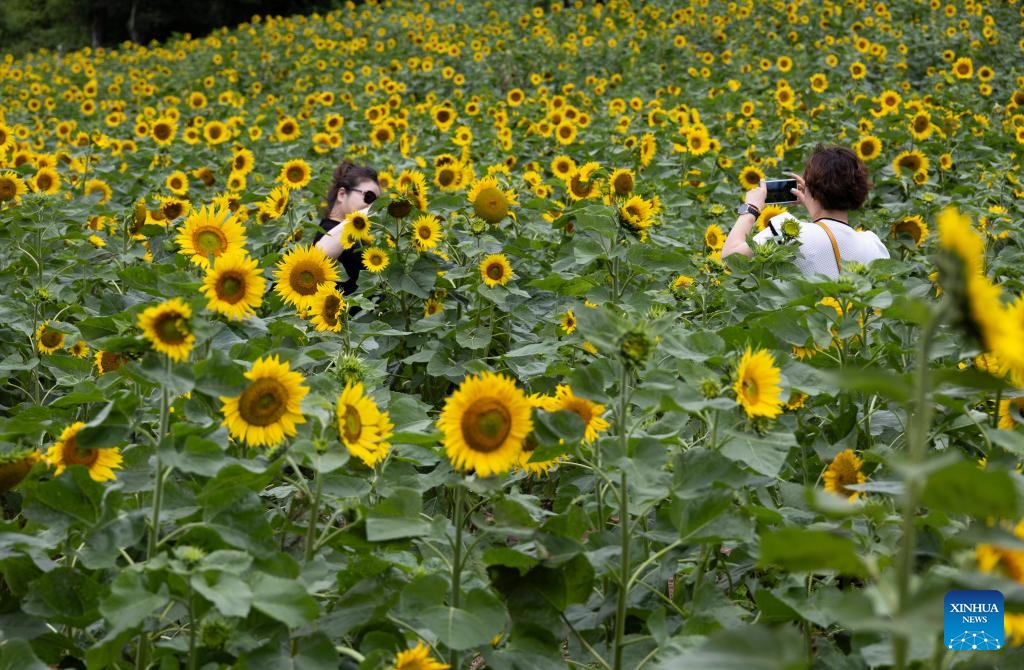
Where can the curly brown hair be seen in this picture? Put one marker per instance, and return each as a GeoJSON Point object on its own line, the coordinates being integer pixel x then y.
{"type": "Point", "coordinates": [837, 178]}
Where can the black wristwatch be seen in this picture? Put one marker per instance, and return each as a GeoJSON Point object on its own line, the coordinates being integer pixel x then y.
{"type": "Point", "coordinates": [747, 208]}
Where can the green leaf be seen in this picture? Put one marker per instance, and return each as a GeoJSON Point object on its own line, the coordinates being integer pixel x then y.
{"type": "Point", "coordinates": [397, 517]}
{"type": "Point", "coordinates": [880, 381]}
{"type": "Point", "coordinates": [107, 429]}
{"type": "Point", "coordinates": [964, 488]}
{"type": "Point", "coordinates": [474, 624]}
{"type": "Point", "coordinates": [804, 550]}
{"type": "Point", "coordinates": [508, 558]}
{"type": "Point", "coordinates": [18, 655]}
{"type": "Point", "coordinates": [130, 602]}
{"type": "Point", "coordinates": [230, 595]}
{"type": "Point", "coordinates": [741, 648]}
{"type": "Point", "coordinates": [218, 375]}
{"type": "Point", "coordinates": [762, 454]}
{"type": "Point", "coordinates": [72, 498]}
{"type": "Point", "coordinates": [66, 596]}
{"type": "Point", "coordinates": [285, 600]}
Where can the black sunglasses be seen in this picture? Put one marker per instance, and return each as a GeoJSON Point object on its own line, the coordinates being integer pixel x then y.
{"type": "Point", "coordinates": [368, 196]}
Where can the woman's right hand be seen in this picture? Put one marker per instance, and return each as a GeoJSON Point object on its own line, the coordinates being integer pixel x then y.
{"type": "Point", "coordinates": [757, 195]}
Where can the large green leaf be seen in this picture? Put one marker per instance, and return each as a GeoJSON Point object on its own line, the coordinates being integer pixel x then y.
{"type": "Point", "coordinates": [131, 601]}
{"type": "Point", "coordinates": [742, 648]}
{"type": "Point", "coordinates": [285, 600]}
{"type": "Point", "coordinates": [964, 488]}
{"type": "Point", "coordinates": [805, 550]}
{"type": "Point", "coordinates": [474, 623]}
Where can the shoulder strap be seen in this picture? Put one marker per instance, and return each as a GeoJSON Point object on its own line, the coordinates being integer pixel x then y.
{"type": "Point", "coordinates": [835, 246]}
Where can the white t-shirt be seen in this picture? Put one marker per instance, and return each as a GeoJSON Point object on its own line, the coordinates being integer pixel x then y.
{"type": "Point", "coordinates": [816, 256]}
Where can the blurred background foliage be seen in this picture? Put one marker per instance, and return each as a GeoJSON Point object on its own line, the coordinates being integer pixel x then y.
{"type": "Point", "coordinates": [66, 25]}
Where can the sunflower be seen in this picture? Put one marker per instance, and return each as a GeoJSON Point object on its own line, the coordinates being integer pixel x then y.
{"type": "Point", "coordinates": [362, 427]}
{"type": "Point", "coordinates": [963, 68]}
{"type": "Point", "coordinates": [234, 285]}
{"type": "Point", "coordinates": [268, 408]}
{"type": "Point", "coordinates": [495, 269]}
{"type": "Point", "coordinates": [681, 282]}
{"type": "Point", "coordinates": [167, 328]}
{"type": "Point", "coordinates": [210, 232]}
{"type": "Point", "coordinates": [566, 132]}
{"type": "Point", "coordinates": [432, 306]}
{"type": "Point", "coordinates": [636, 213]}
{"type": "Point", "coordinates": [448, 177]}
{"type": "Point", "coordinates": [357, 228]}
{"type": "Point", "coordinates": [48, 340]}
{"type": "Point", "coordinates": [921, 126]}
{"type": "Point", "coordinates": [216, 132]}
{"type": "Point", "coordinates": [751, 176]}
{"type": "Point", "coordinates": [768, 213]}
{"type": "Point", "coordinates": [1004, 559]}
{"type": "Point", "coordinates": [15, 466]}
{"type": "Point", "coordinates": [621, 181]}
{"type": "Point", "coordinates": [648, 147]}
{"type": "Point", "coordinates": [532, 467]}
{"type": "Point", "coordinates": [490, 203]}
{"type": "Point", "coordinates": [426, 232]}
{"type": "Point", "coordinates": [568, 322]}
{"type": "Point", "coordinates": [1011, 411]}
{"type": "Point", "coordinates": [295, 173]}
{"type": "Point", "coordinates": [913, 162]}
{"type": "Point", "coordinates": [287, 129]}
{"type": "Point", "coordinates": [418, 658]}
{"type": "Point", "coordinates": [868, 147]}
{"type": "Point", "coordinates": [299, 274]}
{"type": "Point", "coordinates": [714, 237]}
{"type": "Point", "coordinates": [563, 167]}
{"type": "Point", "coordinates": [581, 184]}
{"type": "Point", "coordinates": [443, 117]}
{"type": "Point", "coordinates": [328, 309]}
{"type": "Point", "coordinates": [913, 226]}
{"type": "Point", "coordinates": [698, 142]}
{"type": "Point", "coordinates": [757, 384]}
{"type": "Point", "coordinates": [101, 463]}
{"type": "Point", "coordinates": [958, 236]}
{"type": "Point", "coordinates": [242, 161]}
{"type": "Point", "coordinates": [375, 259]}
{"type": "Point", "coordinates": [485, 423]}
{"type": "Point", "coordinates": [844, 470]}
{"type": "Point", "coordinates": [274, 205]}
{"type": "Point", "coordinates": [589, 411]}
{"type": "Point", "coordinates": [163, 131]}
{"type": "Point", "coordinates": [109, 361]}
{"type": "Point", "coordinates": [79, 349]}
{"type": "Point", "coordinates": [46, 180]}
{"type": "Point", "coordinates": [177, 183]}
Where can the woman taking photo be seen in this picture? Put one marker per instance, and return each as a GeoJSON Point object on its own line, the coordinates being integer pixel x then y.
{"type": "Point", "coordinates": [353, 188]}
{"type": "Point", "coordinates": [835, 182]}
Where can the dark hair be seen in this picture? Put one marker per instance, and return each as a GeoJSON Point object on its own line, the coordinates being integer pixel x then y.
{"type": "Point", "coordinates": [347, 176]}
{"type": "Point", "coordinates": [837, 178]}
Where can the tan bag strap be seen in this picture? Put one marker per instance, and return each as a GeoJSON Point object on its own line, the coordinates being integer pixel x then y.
{"type": "Point", "coordinates": [835, 246]}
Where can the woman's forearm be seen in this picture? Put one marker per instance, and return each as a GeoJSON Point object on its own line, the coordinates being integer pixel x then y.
{"type": "Point", "coordinates": [331, 242]}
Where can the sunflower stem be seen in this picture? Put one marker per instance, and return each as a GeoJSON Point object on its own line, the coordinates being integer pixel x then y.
{"type": "Point", "coordinates": [920, 411]}
{"type": "Point", "coordinates": [314, 512]}
{"type": "Point", "coordinates": [456, 600]}
{"type": "Point", "coordinates": [624, 538]}
{"type": "Point", "coordinates": [158, 489]}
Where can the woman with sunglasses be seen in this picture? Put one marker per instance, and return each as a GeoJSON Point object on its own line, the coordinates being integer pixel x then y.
{"type": "Point", "coordinates": [353, 188]}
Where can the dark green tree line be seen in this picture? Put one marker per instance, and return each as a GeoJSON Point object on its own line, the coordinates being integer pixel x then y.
{"type": "Point", "coordinates": [27, 25]}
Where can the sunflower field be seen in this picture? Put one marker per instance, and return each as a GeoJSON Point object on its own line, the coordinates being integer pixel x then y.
{"type": "Point", "coordinates": [551, 428]}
